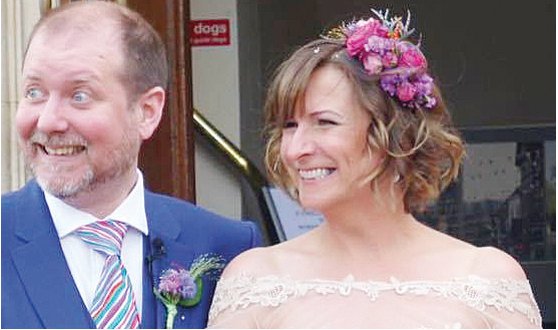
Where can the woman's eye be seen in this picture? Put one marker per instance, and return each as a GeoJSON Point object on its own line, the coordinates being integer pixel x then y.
{"type": "Point", "coordinates": [80, 97]}
{"type": "Point", "coordinates": [290, 124]}
{"type": "Point", "coordinates": [33, 94]}
{"type": "Point", "coordinates": [326, 122]}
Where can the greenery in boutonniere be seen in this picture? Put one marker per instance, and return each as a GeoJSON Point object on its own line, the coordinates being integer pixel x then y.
{"type": "Point", "coordinates": [179, 286]}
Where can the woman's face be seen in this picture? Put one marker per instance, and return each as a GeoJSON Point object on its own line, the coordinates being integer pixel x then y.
{"type": "Point", "coordinates": [324, 146]}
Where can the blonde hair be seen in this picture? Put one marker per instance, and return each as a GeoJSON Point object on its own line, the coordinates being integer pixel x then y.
{"type": "Point", "coordinates": [420, 145]}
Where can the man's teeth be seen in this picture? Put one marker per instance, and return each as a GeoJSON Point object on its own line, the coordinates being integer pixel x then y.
{"type": "Point", "coordinates": [63, 151]}
{"type": "Point", "coordinates": [317, 173]}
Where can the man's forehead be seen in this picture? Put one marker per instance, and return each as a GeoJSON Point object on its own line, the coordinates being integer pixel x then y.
{"type": "Point", "coordinates": [79, 28]}
{"type": "Point", "coordinates": [74, 52]}
{"type": "Point", "coordinates": [85, 14]}
{"type": "Point", "coordinates": [88, 20]}
{"type": "Point", "coordinates": [79, 38]}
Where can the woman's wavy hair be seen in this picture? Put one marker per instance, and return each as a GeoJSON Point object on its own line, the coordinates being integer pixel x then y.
{"type": "Point", "coordinates": [421, 146]}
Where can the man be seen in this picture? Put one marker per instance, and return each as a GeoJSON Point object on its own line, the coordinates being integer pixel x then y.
{"type": "Point", "coordinates": [94, 75]}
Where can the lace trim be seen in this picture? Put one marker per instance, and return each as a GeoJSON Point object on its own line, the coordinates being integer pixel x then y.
{"type": "Point", "coordinates": [245, 290]}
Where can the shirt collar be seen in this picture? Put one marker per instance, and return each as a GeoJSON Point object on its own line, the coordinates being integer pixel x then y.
{"type": "Point", "coordinates": [131, 211]}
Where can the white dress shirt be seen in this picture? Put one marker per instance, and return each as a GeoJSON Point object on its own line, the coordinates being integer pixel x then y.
{"type": "Point", "coordinates": [86, 264]}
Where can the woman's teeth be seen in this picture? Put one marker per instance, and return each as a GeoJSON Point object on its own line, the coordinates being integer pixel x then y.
{"type": "Point", "coordinates": [318, 173]}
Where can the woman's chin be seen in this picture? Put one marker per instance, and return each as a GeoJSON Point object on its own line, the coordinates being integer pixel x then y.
{"type": "Point", "coordinates": [314, 203]}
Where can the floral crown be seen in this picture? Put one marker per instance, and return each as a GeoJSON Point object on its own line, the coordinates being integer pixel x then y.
{"type": "Point", "coordinates": [382, 46]}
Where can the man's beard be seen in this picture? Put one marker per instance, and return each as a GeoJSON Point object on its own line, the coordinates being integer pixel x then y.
{"type": "Point", "coordinates": [117, 163]}
{"type": "Point", "coordinates": [63, 187]}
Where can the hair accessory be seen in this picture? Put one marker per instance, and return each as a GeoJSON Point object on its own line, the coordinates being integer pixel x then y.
{"type": "Point", "coordinates": [382, 47]}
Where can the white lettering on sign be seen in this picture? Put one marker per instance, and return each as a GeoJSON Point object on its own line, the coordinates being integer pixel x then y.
{"type": "Point", "coordinates": [213, 32]}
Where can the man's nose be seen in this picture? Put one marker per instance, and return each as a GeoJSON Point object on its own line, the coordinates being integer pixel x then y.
{"type": "Point", "coordinates": [52, 117]}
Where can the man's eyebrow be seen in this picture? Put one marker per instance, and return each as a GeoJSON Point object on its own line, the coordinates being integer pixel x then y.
{"type": "Point", "coordinates": [31, 76]}
{"type": "Point", "coordinates": [76, 78]}
{"type": "Point", "coordinates": [85, 77]}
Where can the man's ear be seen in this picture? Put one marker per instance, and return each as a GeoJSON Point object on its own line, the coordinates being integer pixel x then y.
{"type": "Point", "coordinates": [151, 104]}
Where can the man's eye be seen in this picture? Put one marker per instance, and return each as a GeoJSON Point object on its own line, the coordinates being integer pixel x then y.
{"type": "Point", "coordinates": [33, 94]}
{"type": "Point", "coordinates": [80, 97]}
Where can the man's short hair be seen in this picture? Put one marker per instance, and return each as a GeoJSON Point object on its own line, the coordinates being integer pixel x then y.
{"type": "Point", "coordinates": [145, 62]}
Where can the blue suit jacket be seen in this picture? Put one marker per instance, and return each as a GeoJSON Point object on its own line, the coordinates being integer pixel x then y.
{"type": "Point", "coordinates": [38, 290]}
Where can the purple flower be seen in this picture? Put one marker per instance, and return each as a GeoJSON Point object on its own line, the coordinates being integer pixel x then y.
{"type": "Point", "coordinates": [389, 83]}
{"type": "Point", "coordinates": [430, 102]}
{"type": "Point", "coordinates": [177, 283]}
{"type": "Point", "coordinates": [424, 84]}
{"type": "Point", "coordinates": [372, 63]}
{"type": "Point", "coordinates": [379, 45]}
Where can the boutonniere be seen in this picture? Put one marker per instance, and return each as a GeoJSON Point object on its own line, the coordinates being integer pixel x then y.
{"type": "Point", "coordinates": [179, 286]}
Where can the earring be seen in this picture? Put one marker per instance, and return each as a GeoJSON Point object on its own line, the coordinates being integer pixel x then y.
{"type": "Point", "coordinates": [396, 177]}
{"type": "Point", "coordinates": [276, 165]}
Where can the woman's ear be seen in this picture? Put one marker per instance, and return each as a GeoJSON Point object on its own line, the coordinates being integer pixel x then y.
{"type": "Point", "coordinates": [151, 104]}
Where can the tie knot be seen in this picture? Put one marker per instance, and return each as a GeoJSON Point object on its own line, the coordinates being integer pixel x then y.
{"type": "Point", "coordinates": [104, 236]}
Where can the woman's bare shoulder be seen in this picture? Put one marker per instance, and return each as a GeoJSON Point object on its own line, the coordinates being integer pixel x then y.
{"type": "Point", "coordinates": [263, 260]}
{"type": "Point", "coordinates": [491, 262]}
{"type": "Point", "coordinates": [251, 261]}
{"type": "Point", "coordinates": [462, 258]}
{"type": "Point", "coordinates": [488, 262]}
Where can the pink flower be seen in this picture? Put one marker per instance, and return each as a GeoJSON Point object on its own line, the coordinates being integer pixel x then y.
{"type": "Point", "coordinates": [372, 63]}
{"type": "Point", "coordinates": [406, 91]}
{"type": "Point", "coordinates": [389, 60]}
{"type": "Point", "coordinates": [383, 48]}
{"type": "Point", "coordinates": [363, 31]}
{"type": "Point", "coordinates": [411, 56]}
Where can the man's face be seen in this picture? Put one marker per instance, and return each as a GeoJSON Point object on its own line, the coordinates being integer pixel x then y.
{"type": "Point", "coordinates": [76, 126]}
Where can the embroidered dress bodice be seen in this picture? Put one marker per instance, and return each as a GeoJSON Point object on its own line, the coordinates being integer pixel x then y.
{"type": "Point", "coordinates": [283, 302]}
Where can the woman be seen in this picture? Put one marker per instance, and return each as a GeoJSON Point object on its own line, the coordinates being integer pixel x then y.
{"type": "Point", "coordinates": [359, 132]}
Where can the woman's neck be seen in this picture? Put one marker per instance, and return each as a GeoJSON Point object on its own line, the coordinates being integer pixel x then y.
{"type": "Point", "coordinates": [371, 228]}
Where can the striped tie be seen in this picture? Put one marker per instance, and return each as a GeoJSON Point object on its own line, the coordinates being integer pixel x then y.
{"type": "Point", "coordinates": [114, 305]}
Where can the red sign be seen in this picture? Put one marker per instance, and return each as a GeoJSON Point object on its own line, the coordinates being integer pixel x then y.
{"type": "Point", "coordinates": [210, 32]}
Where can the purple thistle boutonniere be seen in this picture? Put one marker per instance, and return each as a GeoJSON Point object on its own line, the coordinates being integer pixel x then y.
{"type": "Point", "coordinates": [180, 286]}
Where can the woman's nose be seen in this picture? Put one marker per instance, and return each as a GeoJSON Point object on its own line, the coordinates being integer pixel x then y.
{"type": "Point", "coordinates": [301, 143]}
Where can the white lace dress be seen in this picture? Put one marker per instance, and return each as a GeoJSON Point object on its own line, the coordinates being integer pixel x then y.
{"type": "Point", "coordinates": [246, 301]}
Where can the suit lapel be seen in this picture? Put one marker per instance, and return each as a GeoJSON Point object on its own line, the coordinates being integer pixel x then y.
{"type": "Point", "coordinates": [43, 270]}
{"type": "Point", "coordinates": [162, 226]}
{"type": "Point", "coordinates": [149, 308]}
